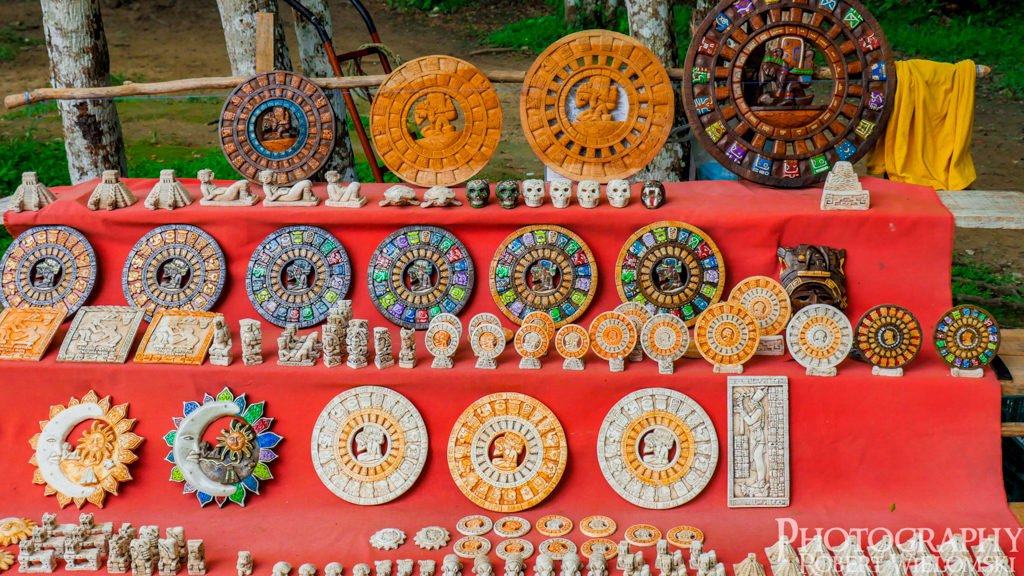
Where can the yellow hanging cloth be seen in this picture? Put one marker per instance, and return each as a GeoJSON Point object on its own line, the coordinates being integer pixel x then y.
{"type": "Point", "coordinates": [928, 138]}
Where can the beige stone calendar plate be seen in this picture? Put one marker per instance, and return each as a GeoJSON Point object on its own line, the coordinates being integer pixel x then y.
{"type": "Point", "coordinates": [596, 105]}
{"type": "Point", "coordinates": [457, 117]}
{"type": "Point", "coordinates": [507, 452]}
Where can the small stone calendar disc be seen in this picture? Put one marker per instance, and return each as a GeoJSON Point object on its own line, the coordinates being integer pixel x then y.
{"type": "Point", "coordinates": [726, 334]}
{"type": "Point", "coordinates": [597, 105]}
{"type": "Point", "coordinates": [487, 341]}
{"type": "Point", "coordinates": [557, 548]}
{"type": "Point", "coordinates": [684, 536]}
{"type": "Point", "coordinates": [542, 319]}
{"type": "Point", "coordinates": [598, 526]}
{"type": "Point", "coordinates": [657, 448]}
{"type": "Point", "coordinates": [418, 272]}
{"type": "Point", "coordinates": [296, 275]}
{"type": "Point", "coordinates": [967, 337]}
{"type": "Point", "coordinates": [450, 319]}
{"type": "Point", "coordinates": [472, 546]}
{"type": "Point", "coordinates": [819, 336]}
{"type": "Point", "coordinates": [664, 338]}
{"type": "Point", "coordinates": [757, 102]}
{"type": "Point", "coordinates": [572, 341]}
{"type": "Point", "coordinates": [483, 318]}
{"type": "Point", "coordinates": [278, 121]}
{"type": "Point", "coordinates": [369, 445]}
{"type": "Point", "coordinates": [507, 452]}
{"type": "Point", "coordinates": [475, 525]}
{"type": "Point", "coordinates": [174, 267]}
{"type": "Point", "coordinates": [888, 336]}
{"type": "Point", "coordinates": [612, 335]}
{"type": "Point", "coordinates": [643, 535]}
{"type": "Point", "coordinates": [519, 546]}
{"type": "Point", "coordinates": [531, 341]}
{"type": "Point", "coordinates": [601, 545]}
{"type": "Point", "coordinates": [441, 339]}
{"type": "Point", "coordinates": [48, 267]}
{"type": "Point", "coordinates": [545, 268]}
{"type": "Point", "coordinates": [671, 267]}
{"type": "Point", "coordinates": [457, 117]}
{"type": "Point", "coordinates": [766, 300]}
{"type": "Point", "coordinates": [554, 525]}
{"type": "Point", "coordinates": [512, 527]}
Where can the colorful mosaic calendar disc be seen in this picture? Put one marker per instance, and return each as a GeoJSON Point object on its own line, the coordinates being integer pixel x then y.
{"type": "Point", "coordinates": [369, 445]}
{"type": "Point", "coordinates": [778, 93]}
{"type": "Point", "coordinates": [967, 337]}
{"type": "Point", "coordinates": [888, 336]}
{"type": "Point", "coordinates": [671, 267]}
{"type": "Point", "coordinates": [48, 267]}
{"type": "Point", "coordinates": [657, 448]}
{"type": "Point", "coordinates": [596, 105]}
{"type": "Point", "coordinates": [507, 452]}
{"type": "Point", "coordinates": [296, 275]}
{"type": "Point", "coordinates": [174, 267]}
{"type": "Point", "coordinates": [419, 272]}
{"type": "Point", "coordinates": [277, 121]}
{"type": "Point", "coordinates": [546, 268]}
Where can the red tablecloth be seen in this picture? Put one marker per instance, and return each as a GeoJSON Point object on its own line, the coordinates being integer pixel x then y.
{"type": "Point", "coordinates": [867, 452]}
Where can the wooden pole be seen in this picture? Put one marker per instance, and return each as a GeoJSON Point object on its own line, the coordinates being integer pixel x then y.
{"type": "Point", "coordinates": [264, 41]}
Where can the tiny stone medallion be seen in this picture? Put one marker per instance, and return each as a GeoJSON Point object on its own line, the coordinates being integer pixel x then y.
{"type": "Point", "coordinates": [554, 525]}
{"type": "Point", "coordinates": [512, 526]}
{"type": "Point", "coordinates": [572, 342]}
{"type": "Point", "coordinates": [598, 526]}
{"type": "Point", "coordinates": [48, 267]}
{"type": "Point", "coordinates": [612, 336]}
{"type": "Point", "coordinates": [665, 339]}
{"type": "Point", "coordinates": [472, 546]}
{"type": "Point", "coordinates": [475, 525]}
{"type": "Point", "coordinates": [488, 342]}
{"type": "Point", "coordinates": [531, 342]}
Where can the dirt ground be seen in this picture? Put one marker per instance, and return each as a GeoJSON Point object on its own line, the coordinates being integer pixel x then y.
{"type": "Point", "coordinates": [148, 43]}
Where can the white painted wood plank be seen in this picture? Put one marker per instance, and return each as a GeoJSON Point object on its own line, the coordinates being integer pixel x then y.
{"type": "Point", "coordinates": [985, 208]}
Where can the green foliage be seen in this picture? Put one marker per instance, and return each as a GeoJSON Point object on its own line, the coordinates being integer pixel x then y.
{"type": "Point", "coordinates": [12, 43]}
{"type": "Point", "coordinates": [970, 279]}
{"type": "Point", "coordinates": [21, 154]}
{"type": "Point", "coordinates": [426, 5]}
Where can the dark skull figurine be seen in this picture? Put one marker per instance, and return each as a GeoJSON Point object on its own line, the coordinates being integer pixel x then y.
{"type": "Point", "coordinates": [814, 275]}
{"type": "Point", "coordinates": [478, 192]}
{"type": "Point", "coordinates": [653, 194]}
{"type": "Point", "coordinates": [507, 192]}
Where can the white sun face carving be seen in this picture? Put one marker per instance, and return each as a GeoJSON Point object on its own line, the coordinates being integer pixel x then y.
{"type": "Point", "coordinates": [561, 192]}
{"type": "Point", "coordinates": [533, 192]}
{"type": "Point", "coordinates": [588, 192]}
{"type": "Point", "coordinates": [618, 193]}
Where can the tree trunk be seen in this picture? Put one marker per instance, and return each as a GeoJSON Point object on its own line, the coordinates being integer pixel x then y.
{"type": "Point", "coordinates": [77, 48]}
{"type": "Point", "coordinates": [238, 17]}
{"type": "Point", "coordinates": [651, 22]}
{"type": "Point", "coordinates": [315, 65]}
{"type": "Point", "coordinates": [586, 14]}
{"type": "Point", "coordinates": [700, 11]}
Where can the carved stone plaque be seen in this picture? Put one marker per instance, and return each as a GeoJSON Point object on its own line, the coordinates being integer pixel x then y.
{"type": "Point", "coordinates": [657, 448]}
{"type": "Point", "coordinates": [457, 117]}
{"type": "Point", "coordinates": [101, 334]}
{"type": "Point", "coordinates": [369, 445]}
{"type": "Point", "coordinates": [596, 105]}
{"type": "Point", "coordinates": [25, 333]}
{"type": "Point", "coordinates": [176, 337]}
{"type": "Point", "coordinates": [758, 441]}
{"type": "Point", "coordinates": [48, 267]}
{"type": "Point", "coordinates": [507, 452]}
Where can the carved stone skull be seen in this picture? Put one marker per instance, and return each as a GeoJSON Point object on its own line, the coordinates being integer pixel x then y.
{"type": "Point", "coordinates": [507, 192]}
{"type": "Point", "coordinates": [533, 192]}
{"type": "Point", "coordinates": [333, 569]}
{"type": "Point", "coordinates": [561, 192]}
{"type": "Point", "coordinates": [478, 192]}
{"type": "Point", "coordinates": [653, 194]}
{"type": "Point", "coordinates": [588, 192]}
{"type": "Point", "coordinates": [307, 570]}
{"type": "Point", "coordinates": [618, 193]}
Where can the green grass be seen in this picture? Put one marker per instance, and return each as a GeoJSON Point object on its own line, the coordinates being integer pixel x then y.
{"type": "Point", "coordinates": [970, 279]}
{"type": "Point", "coordinates": [11, 43]}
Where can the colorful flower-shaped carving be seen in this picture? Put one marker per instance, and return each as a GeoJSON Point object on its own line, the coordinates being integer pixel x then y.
{"type": "Point", "coordinates": [240, 455]}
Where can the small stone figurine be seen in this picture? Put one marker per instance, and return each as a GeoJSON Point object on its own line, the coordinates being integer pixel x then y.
{"type": "Point", "coordinates": [237, 194]}
{"type": "Point", "coordinates": [404, 567]}
{"type": "Point", "coordinates": [533, 192]}
{"type": "Point", "coordinates": [399, 195]}
{"type": "Point", "coordinates": [598, 564]}
{"type": "Point", "coordinates": [220, 347]}
{"type": "Point", "coordinates": [168, 193]}
{"type": "Point", "coordinates": [571, 564]}
{"type": "Point", "coordinates": [382, 567]}
{"type": "Point", "coordinates": [196, 558]}
{"type": "Point", "coordinates": [382, 357]}
{"type": "Point", "coordinates": [478, 192]}
{"type": "Point", "coordinates": [333, 569]}
{"type": "Point", "coordinates": [451, 565]}
{"type": "Point", "coordinates": [293, 350]}
{"type": "Point", "coordinates": [31, 196]}
{"type": "Point", "coordinates": [514, 565]}
{"type": "Point", "coordinates": [427, 567]}
{"type": "Point", "coordinates": [842, 189]}
{"type": "Point", "coordinates": [343, 197]}
{"type": "Point", "coordinates": [298, 194]}
{"type": "Point", "coordinates": [118, 558]}
{"type": "Point", "coordinates": [653, 194]}
{"type": "Point", "coordinates": [281, 569]}
{"type": "Point", "coordinates": [618, 193]}
{"type": "Point", "coordinates": [544, 565]}
{"type": "Point", "coordinates": [407, 355]}
{"type": "Point", "coordinates": [482, 566]}
{"type": "Point", "coordinates": [111, 193]}
{"type": "Point", "coordinates": [334, 347]}
{"type": "Point", "coordinates": [507, 192]}
{"type": "Point", "coordinates": [357, 342]}
{"type": "Point", "coordinates": [143, 558]}
{"type": "Point", "coordinates": [439, 197]}
{"type": "Point", "coordinates": [251, 332]}
{"type": "Point", "coordinates": [561, 192]}
{"type": "Point", "coordinates": [339, 317]}
{"type": "Point", "coordinates": [169, 563]}
{"type": "Point", "coordinates": [307, 570]}
{"type": "Point", "coordinates": [244, 563]}
{"type": "Point", "coordinates": [588, 192]}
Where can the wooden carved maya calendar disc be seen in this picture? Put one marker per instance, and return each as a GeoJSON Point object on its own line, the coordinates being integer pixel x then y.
{"type": "Point", "coordinates": [596, 105]}
{"type": "Point", "coordinates": [277, 121]}
{"type": "Point", "coordinates": [456, 114]}
{"type": "Point", "coordinates": [757, 99]}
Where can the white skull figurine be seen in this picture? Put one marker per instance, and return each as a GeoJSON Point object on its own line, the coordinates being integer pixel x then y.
{"type": "Point", "coordinates": [533, 192]}
{"type": "Point", "coordinates": [618, 193]}
{"type": "Point", "coordinates": [588, 192]}
{"type": "Point", "coordinates": [561, 192]}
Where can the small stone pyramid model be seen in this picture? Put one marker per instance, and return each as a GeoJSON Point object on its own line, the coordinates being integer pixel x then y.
{"type": "Point", "coordinates": [111, 193]}
{"type": "Point", "coordinates": [168, 193]}
{"type": "Point", "coordinates": [31, 196]}
{"type": "Point", "coordinates": [843, 191]}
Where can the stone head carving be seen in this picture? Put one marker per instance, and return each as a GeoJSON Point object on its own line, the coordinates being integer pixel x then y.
{"type": "Point", "coordinates": [282, 569]}
{"type": "Point", "coordinates": [653, 194]}
{"type": "Point", "coordinates": [307, 570]}
{"type": "Point", "coordinates": [533, 192]}
{"type": "Point", "coordinates": [361, 570]}
{"type": "Point", "coordinates": [332, 176]}
{"type": "Point", "coordinates": [507, 192]}
{"type": "Point", "coordinates": [561, 192]}
{"type": "Point", "coordinates": [588, 192]}
{"type": "Point", "coordinates": [814, 275]}
{"type": "Point", "coordinates": [482, 566]}
{"type": "Point", "coordinates": [618, 193]}
{"type": "Point", "coordinates": [333, 569]}
{"type": "Point", "coordinates": [478, 192]}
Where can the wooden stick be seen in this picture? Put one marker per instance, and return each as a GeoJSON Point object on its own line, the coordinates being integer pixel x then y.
{"type": "Point", "coordinates": [265, 47]}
